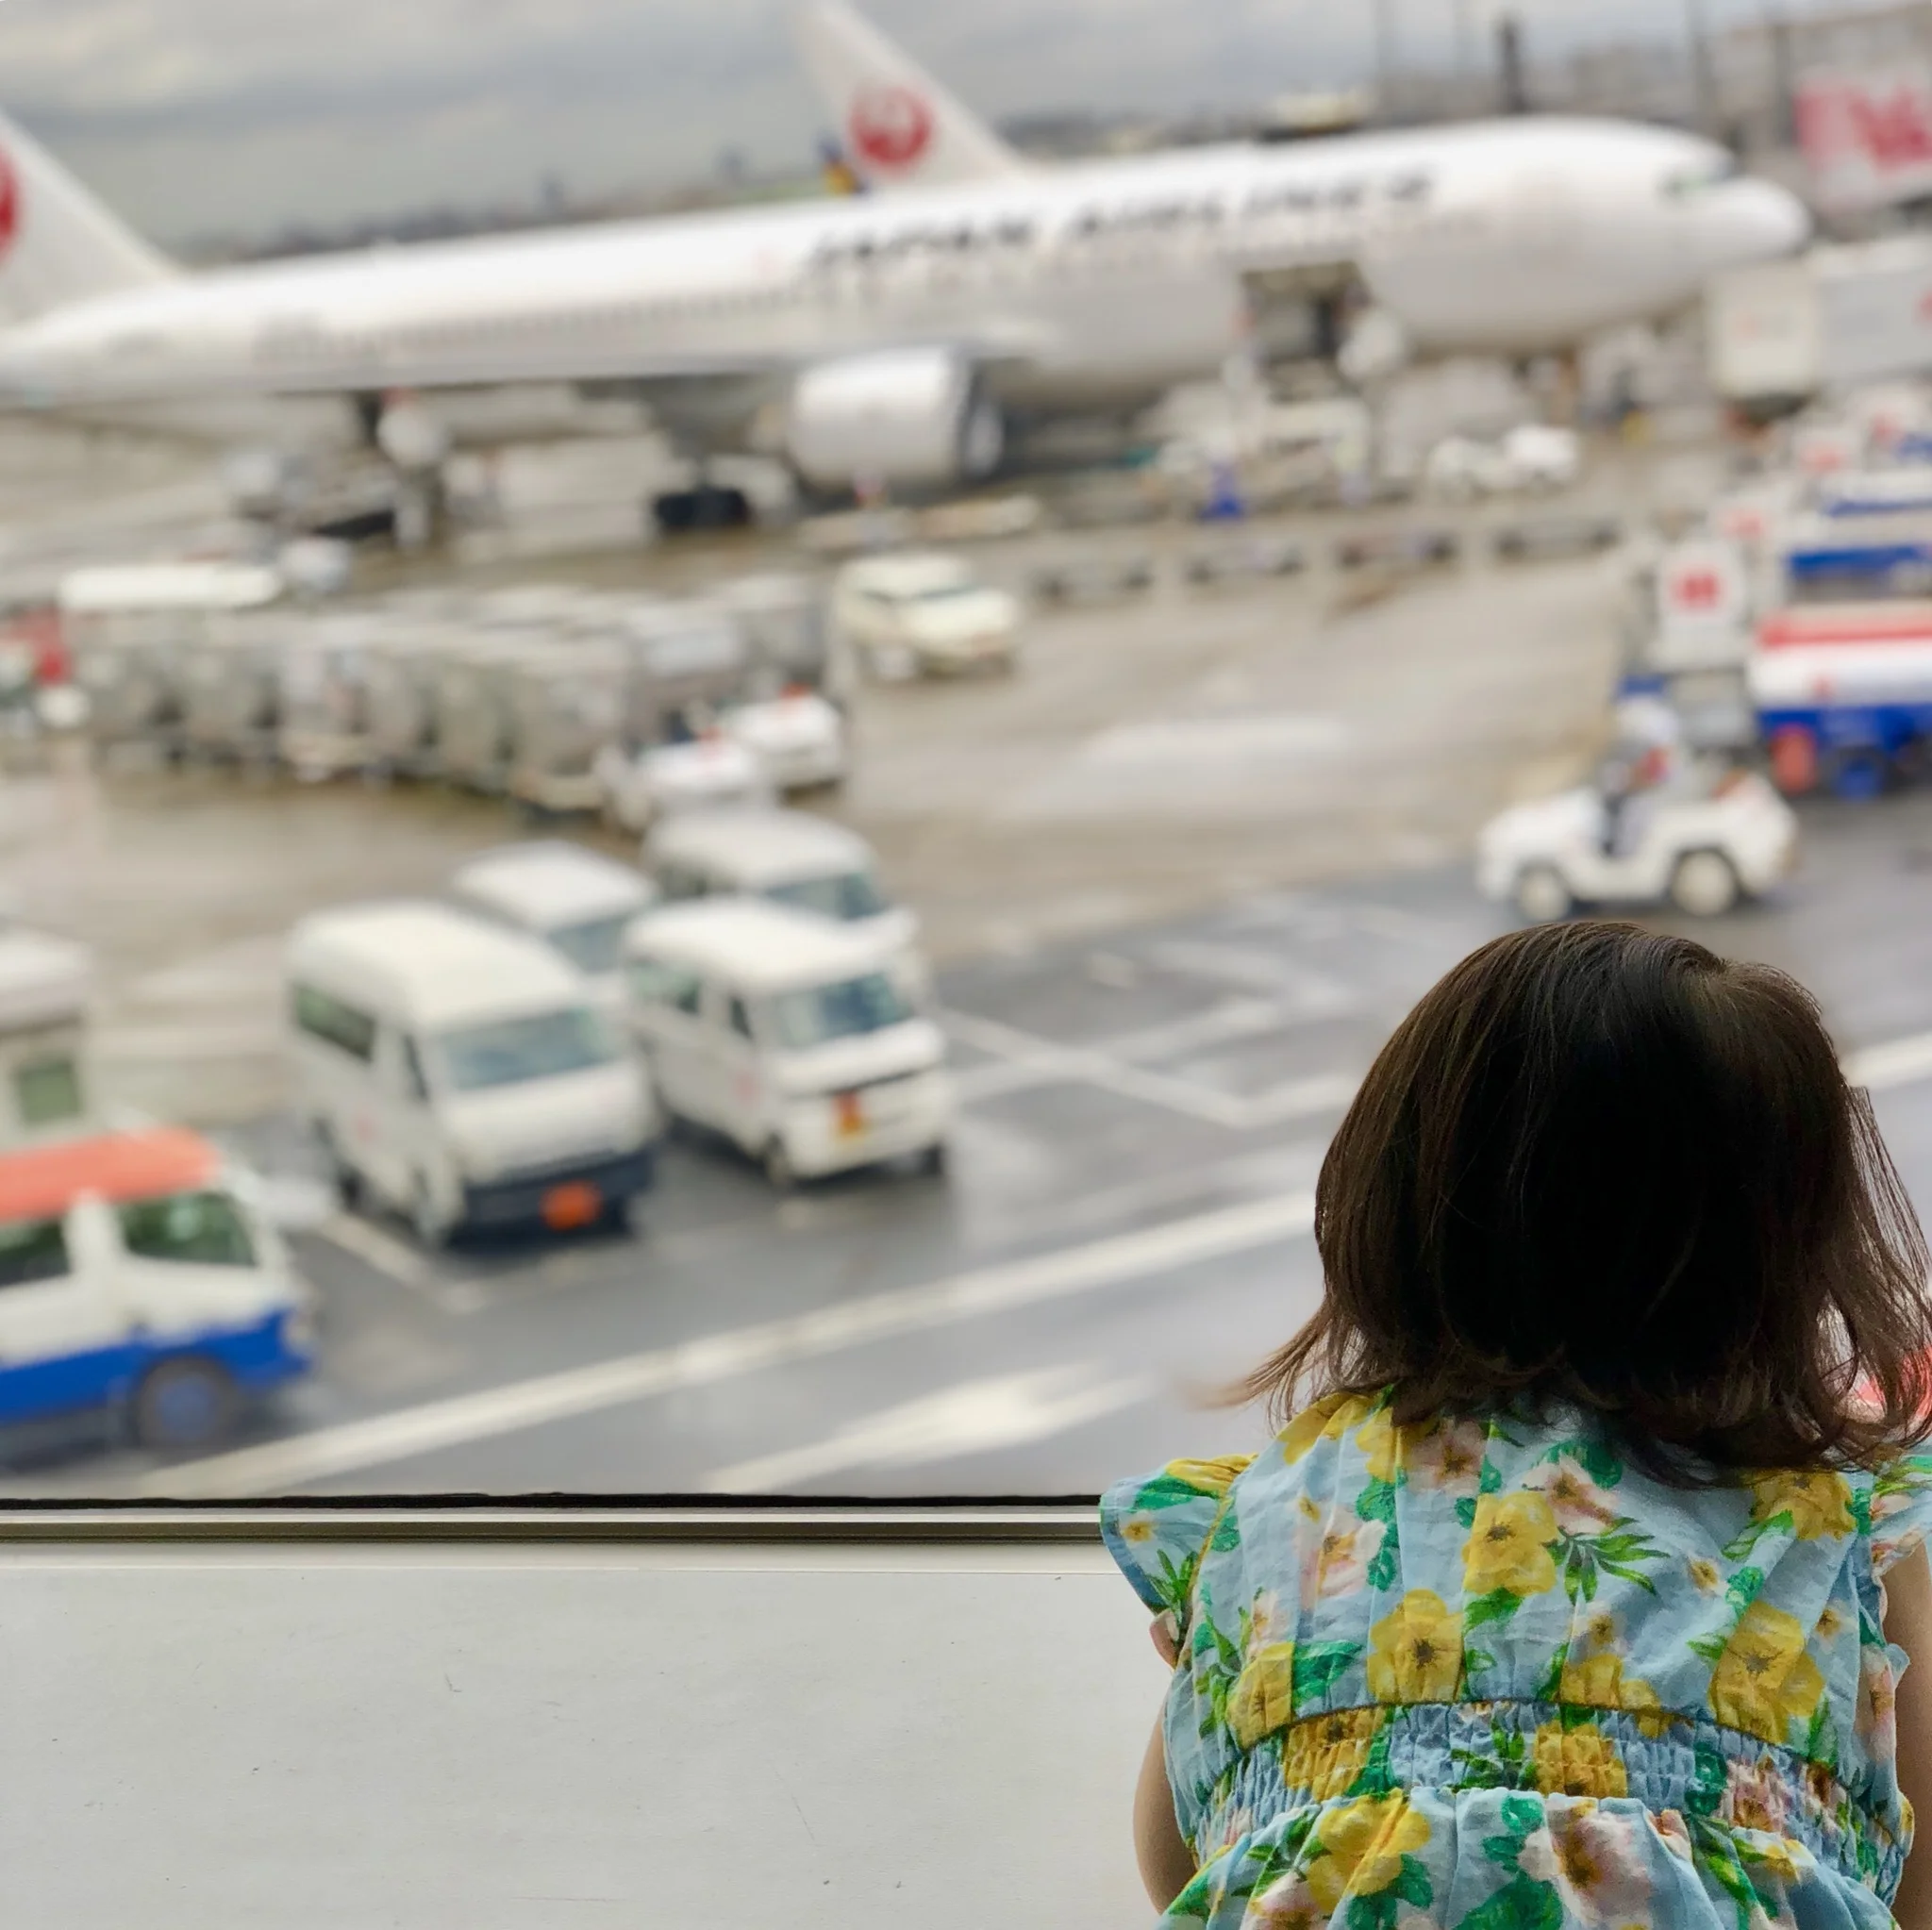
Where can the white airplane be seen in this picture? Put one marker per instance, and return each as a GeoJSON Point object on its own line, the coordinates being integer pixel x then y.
{"type": "Point", "coordinates": [895, 335]}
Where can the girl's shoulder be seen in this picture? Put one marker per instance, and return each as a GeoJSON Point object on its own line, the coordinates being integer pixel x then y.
{"type": "Point", "coordinates": [1553, 1481]}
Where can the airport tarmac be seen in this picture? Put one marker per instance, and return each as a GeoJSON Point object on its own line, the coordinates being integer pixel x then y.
{"type": "Point", "coordinates": [1183, 872]}
{"type": "Point", "coordinates": [1126, 1227]}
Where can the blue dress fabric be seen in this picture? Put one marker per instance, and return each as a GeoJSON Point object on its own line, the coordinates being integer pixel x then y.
{"type": "Point", "coordinates": [1490, 1675]}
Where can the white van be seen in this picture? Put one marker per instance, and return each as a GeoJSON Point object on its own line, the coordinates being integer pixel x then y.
{"type": "Point", "coordinates": [790, 1036]}
{"type": "Point", "coordinates": [578, 902]}
{"type": "Point", "coordinates": [462, 1074]}
{"type": "Point", "coordinates": [786, 857]}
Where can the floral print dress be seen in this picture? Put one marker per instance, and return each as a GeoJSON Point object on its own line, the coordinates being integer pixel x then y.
{"type": "Point", "coordinates": [1484, 1675]}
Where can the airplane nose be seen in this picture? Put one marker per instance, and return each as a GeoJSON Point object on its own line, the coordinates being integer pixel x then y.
{"type": "Point", "coordinates": [1758, 221]}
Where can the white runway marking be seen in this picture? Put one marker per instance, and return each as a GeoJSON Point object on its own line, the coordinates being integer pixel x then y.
{"type": "Point", "coordinates": [1009, 1410]}
{"type": "Point", "coordinates": [285, 1467]}
{"type": "Point", "coordinates": [374, 1248]}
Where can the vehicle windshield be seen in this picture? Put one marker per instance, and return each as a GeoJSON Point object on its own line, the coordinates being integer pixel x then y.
{"type": "Point", "coordinates": [828, 1013]}
{"type": "Point", "coordinates": [595, 946]}
{"type": "Point", "coordinates": [189, 1229]}
{"type": "Point", "coordinates": [519, 1052]}
{"type": "Point", "coordinates": [847, 896]}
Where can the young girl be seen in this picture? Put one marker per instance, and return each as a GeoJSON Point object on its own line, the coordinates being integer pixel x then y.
{"type": "Point", "coordinates": [1563, 1603]}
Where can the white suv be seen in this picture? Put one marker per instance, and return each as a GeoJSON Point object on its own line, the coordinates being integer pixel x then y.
{"type": "Point", "coordinates": [908, 616]}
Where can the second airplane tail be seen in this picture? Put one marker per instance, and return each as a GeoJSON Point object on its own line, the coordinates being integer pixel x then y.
{"type": "Point", "coordinates": [897, 127]}
{"type": "Point", "coordinates": [59, 243]}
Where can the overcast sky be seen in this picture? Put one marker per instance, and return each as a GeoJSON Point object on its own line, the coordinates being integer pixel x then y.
{"type": "Point", "coordinates": [206, 116]}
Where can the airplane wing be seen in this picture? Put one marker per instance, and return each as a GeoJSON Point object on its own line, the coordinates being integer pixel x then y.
{"type": "Point", "coordinates": [897, 127]}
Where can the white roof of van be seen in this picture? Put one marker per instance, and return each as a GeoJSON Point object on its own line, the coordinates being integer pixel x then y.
{"type": "Point", "coordinates": [430, 964]}
{"type": "Point", "coordinates": [43, 980]}
{"type": "Point", "coordinates": [755, 947]}
{"type": "Point", "coordinates": [549, 884]}
{"type": "Point", "coordinates": [760, 847]}
{"type": "Point", "coordinates": [908, 574]}
{"type": "Point", "coordinates": [168, 587]}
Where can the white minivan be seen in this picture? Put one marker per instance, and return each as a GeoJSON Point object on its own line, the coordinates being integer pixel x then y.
{"type": "Point", "coordinates": [791, 1037]}
{"type": "Point", "coordinates": [462, 1074]}
{"type": "Point", "coordinates": [789, 859]}
{"type": "Point", "coordinates": [576, 901]}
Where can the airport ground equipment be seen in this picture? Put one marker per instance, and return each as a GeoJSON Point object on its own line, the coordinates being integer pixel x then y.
{"type": "Point", "coordinates": [1701, 848]}
{"type": "Point", "coordinates": [401, 675]}
{"type": "Point", "coordinates": [144, 1281]}
{"type": "Point", "coordinates": [126, 630]}
{"type": "Point", "coordinates": [46, 986]}
{"type": "Point", "coordinates": [475, 737]}
{"type": "Point", "coordinates": [326, 725]}
{"type": "Point", "coordinates": [230, 687]}
{"type": "Point", "coordinates": [567, 704]}
{"type": "Point", "coordinates": [1843, 694]}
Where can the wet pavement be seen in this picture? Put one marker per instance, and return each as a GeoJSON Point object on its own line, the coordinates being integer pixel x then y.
{"type": "Point", "coordinates": [1125, 1228]}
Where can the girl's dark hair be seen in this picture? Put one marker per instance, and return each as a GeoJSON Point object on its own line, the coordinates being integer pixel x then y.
{"type": "Point", "coordinates": [1604, 1167]}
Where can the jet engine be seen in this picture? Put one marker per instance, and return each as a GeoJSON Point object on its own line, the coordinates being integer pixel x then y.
{"type": "Point", "coordinates": [915, 418]}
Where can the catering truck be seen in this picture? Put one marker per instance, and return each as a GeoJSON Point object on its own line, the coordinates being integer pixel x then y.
{"type": "Point", "coordinates": [1782, 332]}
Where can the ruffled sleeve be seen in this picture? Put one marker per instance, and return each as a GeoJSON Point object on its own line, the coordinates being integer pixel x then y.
{"type": "Point", "coordinates": [1158, 1528]}
{"type": "Point", "coordinates": [1901, 1510]}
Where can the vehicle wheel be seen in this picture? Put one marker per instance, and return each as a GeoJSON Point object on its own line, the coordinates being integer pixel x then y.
{"type": "Point", "coordinates": [184, 1404]}
{"type": "Point", "coordinates": [779, 1168]}
{"type": "Point", "coordinates": [427, 1221]}
{"type": "Point", "coordinates": [344, 1178]}
{"type": "Point", "coordinates": [1704, 885]}
{"type": "Point", "coordinates": [1543, 895]}
{"type": "Point", "coordinates": [934, 1160]}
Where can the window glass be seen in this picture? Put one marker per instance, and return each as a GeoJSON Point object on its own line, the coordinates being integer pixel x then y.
{"type": "Point", "coordinates": [47, 1092]}
{"type": "Point", "coordinates": [595, 946]}
{"type": "Point", "coordinates": [679, 883]}
{"type": "Point", "coordinates": [830, 1012]}
{"type": "Point", "coordinates": [32, 1250]}
{"type": "Point", "coordinates": [193, 1229]}
{"type": "Point", "coordinates": [848, 896]}
{"type": "Point", "coordinates": [515, 1052]}
{"type": "Point", "coordinates": [657, 984]}
{"type": "Point", "coordinates": [738, 1016]}
{"type": "Point", "coordinates": [335, 1023]}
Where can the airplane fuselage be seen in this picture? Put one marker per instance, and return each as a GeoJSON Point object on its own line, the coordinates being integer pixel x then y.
{"type": "Point", "coordinates": [1072, 288]}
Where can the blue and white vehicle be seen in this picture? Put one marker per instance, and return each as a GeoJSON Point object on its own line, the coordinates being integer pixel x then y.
{"type": "Point", "coordinates": [138, 1277]}
{"type": "Point", "coordinates": [1843, 693]}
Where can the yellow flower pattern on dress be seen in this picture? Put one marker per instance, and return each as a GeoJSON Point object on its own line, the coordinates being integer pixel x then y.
{"type": "Point", "coordinates": [1361, 1846]}
{"type": "Point", "coordinates": [1326, 1419]}
{"type": "Point", "coordinates": [1764, 1681]}
{"type": "Point", "coordinates": [1819, 1505]}
{"type": "Point", "coordinates": [1488, 1673]}
{"type": "Point", "coordinates": [1263, 1699]}
{"type": "Point", "coordinates": [1415, 1653]}
{"type": "Point", "coordinates": [1579, 1761]}
{"type": "Point", "coordinates": [1508, 1546]}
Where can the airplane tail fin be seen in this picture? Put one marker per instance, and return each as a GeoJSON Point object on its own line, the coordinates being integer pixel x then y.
{"type": "Point", "coordinates": [58, 244]}
{"type": "Point", "coordinates": [897, 127]}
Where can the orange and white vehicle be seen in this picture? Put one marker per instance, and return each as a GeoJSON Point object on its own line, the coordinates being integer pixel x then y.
{"type": "Point", "coordinates": [138, 1276]}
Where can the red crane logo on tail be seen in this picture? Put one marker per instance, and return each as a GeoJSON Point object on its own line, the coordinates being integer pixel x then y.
{"type": "Point", "coordinates": [891, 127]}
{"type": "Point", "coordinates": [9, 203]}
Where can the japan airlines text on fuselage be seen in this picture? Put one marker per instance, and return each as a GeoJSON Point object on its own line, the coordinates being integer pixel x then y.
{"type": "Point", "coordinates": [1068, 287]}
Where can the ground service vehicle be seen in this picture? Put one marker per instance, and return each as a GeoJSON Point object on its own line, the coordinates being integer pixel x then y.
{"type": "Point", "coordinates": [1700, 854]}
{"type": "Point", "coordinates": [137, 1277]}
{"type": "Point", "coordinates": [462, 1074]}
{"type": "Point", "coordinates": [795, 1040]}
{"type": "Point", "coordinates": [576, 902]}
{"type": "Point", "coordinates": [926, 613]}
{"type": "Point", "coordinates": [45, 984]}
{"type": "Point", "coordinates": [786, 857]}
